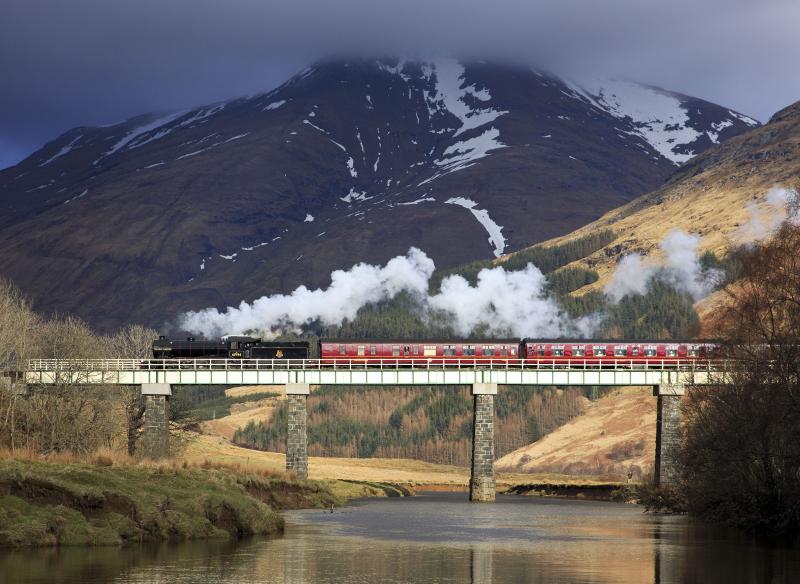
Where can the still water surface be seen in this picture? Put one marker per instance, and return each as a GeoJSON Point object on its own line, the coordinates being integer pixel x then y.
{"type": "Point", "coordinates": [439, 538]}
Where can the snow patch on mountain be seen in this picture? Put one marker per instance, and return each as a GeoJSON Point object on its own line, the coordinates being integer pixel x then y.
{"type": "Point", "coordinates": [64, 150]}
{"type": "Point", "coordinates": [355, 195]}
{"type": "Point", "coordinates": [140, 131]}
{"type": "Point", "coordinates": [495, 231]}
{"type": "Point", "coordinates": [660, 117]}
{"type": "Point", "coordinates": [463, 154]}
{"type": "Point", "coordinates": [713, 134]}
{"type": "Point", "coordinates": [657, 116]}
{"type": "Point", "coordinates": [274, 105]}
{"type": "Point", "coordinates": [451, 95]}
{"type": "Point", "coordinates": [76, 197]}
{"type": "Point", "coordinates": [741, 117]}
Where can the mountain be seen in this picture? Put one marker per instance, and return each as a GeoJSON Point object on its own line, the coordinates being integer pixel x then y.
{"type": "Point", "coordinates": [731, 194]}
{"type": "Point", "coordinates": [345, 162]}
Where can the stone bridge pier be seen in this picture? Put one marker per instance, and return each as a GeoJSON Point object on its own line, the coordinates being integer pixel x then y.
{"type": "Point", "coordinates": [155, 439]}
{"type": "Point", "coordinates": [481, 483]}
{"type": "Point", "coordinates": [668, 433]}
{"type": "Point", "coordinates": [297, 433]}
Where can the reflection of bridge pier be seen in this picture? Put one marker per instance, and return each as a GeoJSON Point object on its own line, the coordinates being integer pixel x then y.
{"type": "Point", "coordinates": [480, 557]}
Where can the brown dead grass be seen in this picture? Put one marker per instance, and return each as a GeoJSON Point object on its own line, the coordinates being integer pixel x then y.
{"type": "Point", "coordinates": [614, 435]}
{"type": "Point", "coordinates": [379, 470]}
{"type": "Point", "coordinates": [251, 389]}
{"type": "Point", "coordinates": [708, 198]}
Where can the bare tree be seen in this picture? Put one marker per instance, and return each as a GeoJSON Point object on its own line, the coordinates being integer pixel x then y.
{"type": "Point", "coordinates": [132, 342]}
{"type": "Point", "coordinates": [741, 453]}
{"type": "Point", "coordinates": [17, 322]}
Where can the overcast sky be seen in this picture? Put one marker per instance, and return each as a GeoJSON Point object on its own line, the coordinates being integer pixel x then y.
{"type": "Point", "coordinates": [65, 63]}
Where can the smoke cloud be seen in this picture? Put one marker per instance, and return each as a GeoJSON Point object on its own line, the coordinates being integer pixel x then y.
{"type": "Point", "coordinates": [682, 270]}
{"type": "Point", "coordinates": [514, 303]}
{"type": "Point", "coordinates": [349, 291]}
{"type": "Point", "coordinates": [778, 205]}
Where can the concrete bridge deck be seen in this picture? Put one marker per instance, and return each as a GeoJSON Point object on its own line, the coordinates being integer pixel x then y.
{"type": "Point", "coordinates": [380, 372]}
{"type": "Point", "coordinates": [157, 376]}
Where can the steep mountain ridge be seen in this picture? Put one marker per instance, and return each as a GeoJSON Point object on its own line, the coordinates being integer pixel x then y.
{"type": "Point", "coordinates": [345, 162]}
{"type": "Point", "coordinates": [720, 195]}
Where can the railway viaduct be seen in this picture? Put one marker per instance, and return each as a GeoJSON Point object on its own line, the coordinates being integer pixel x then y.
{"type": "Point", "coordinates": [157, 377]}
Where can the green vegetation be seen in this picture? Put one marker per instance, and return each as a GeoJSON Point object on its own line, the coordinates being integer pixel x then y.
{"type": "Point", "coordinates": [566, 280]}
{"type": "Point", "coordinates": [210, 402]}
{"type": "Point", "coordinates": [426, 423]}
{"type": "Point", "coordinates": [47, 503]}
{"type": "Point", "coordinates": [661, 313]}
{"type": "Point", "coordinates": [547, 259]}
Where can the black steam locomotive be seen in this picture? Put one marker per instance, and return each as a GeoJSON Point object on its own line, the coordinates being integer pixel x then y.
{"type": "Point", "coordinates": [229, 348]}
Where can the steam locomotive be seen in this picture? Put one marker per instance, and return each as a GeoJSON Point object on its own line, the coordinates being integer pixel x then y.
{"type": "Point", "coordinates": [229, 348]}
{"type": "Point", "coordinates": [442, 351]}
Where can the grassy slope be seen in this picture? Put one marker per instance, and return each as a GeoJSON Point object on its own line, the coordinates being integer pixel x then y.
{"type": "Point", "coordinates": [707, 197]}
{"type": "Point", "coordinates": [46, 503]}
{"type": "Point", "coordinates": [380, 471]}
{"type": "Point", "coordinates": [616, 434]}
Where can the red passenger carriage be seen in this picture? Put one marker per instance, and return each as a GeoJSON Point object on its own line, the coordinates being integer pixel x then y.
{"type": "Point", "coordinates": [423, 351]}
{"type": "Point", "coordinates": [610, 352]}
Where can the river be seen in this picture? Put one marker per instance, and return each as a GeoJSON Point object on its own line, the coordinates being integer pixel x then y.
{"type": "Point", "coordinates": [438, 538]}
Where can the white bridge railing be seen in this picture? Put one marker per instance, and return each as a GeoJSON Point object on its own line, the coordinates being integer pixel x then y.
{"type": "Point", "coordinates": [541, 372]}
{"type": "Point", "coordinates": [107, 365]}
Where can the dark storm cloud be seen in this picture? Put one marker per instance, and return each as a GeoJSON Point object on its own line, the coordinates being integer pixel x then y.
{"type": "Point", "coordinates": [77, 62]}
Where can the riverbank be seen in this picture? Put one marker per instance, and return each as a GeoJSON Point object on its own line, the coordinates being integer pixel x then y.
{"type": "Point", "coordinates": [100, 502]}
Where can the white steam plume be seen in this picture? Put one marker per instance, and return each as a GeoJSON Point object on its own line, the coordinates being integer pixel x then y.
{"type": "Point", "coordinates": [514, 303]}
{"type": "Point", "coordinates": [779, 204]}
{"type": "Point", "coordinates": [681, 269]}
{"type": "Point", "coordinates": [349, 290]}
{"type": "Point", "coordinates": [631, 276]}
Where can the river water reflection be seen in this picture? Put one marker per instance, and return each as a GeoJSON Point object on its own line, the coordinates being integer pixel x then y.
{"type": "Point", "coordinates": [439, 538]}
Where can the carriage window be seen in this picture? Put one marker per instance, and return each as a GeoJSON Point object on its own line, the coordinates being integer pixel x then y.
{"type": "Point", "coordinates": [373, 350]}
{"type": "Point", "coordinates": [513, 351]}
{"type": "Point", "coordinates": [635, 351]}
{"type": "Point", "coordinates": [415, 350]}
{"type": "Point", "coordinates": [488, 350]}
{"type": "Point", "coordinates": [599, 351]}
{"type": "Point", "coordinates": [395, 350]}
{"type": "Point", "coordinates": [361, 350]}
{"type": "Point", "coordinates": [469, 351]}
{"type": "Point", "coordinates": [449, 351]}
{"type": "Point", "coordinates": [694, 352]}
{"type": "Point", "coordinates": [672, 352]}
{"type": "Point", "coordinates": [429, 350]}
{"type": "Point", "coordinates": [620, 351]}
{"type": "Point", "coordinates": [558, 352]}
{"type": "Point", "coordinates": [540, 351]}
{"type": "Point", "coordinates": [504, 352]}
{"type": "Point", "coordinates": [578, 352]}
{"type": "Point", "coordinates": [650, 352]}
{"type": "Point", "coordinates": [342, 350]}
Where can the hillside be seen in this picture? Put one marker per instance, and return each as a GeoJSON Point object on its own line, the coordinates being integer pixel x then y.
{"type": "Point", "coordinates": [431, 424]}
{"type": "Point", "coordinates": [347, 161]}
{"type": "Point", "coordinates": [615, 435]}
{"type": "Point", "coordinates": [721, 195]}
